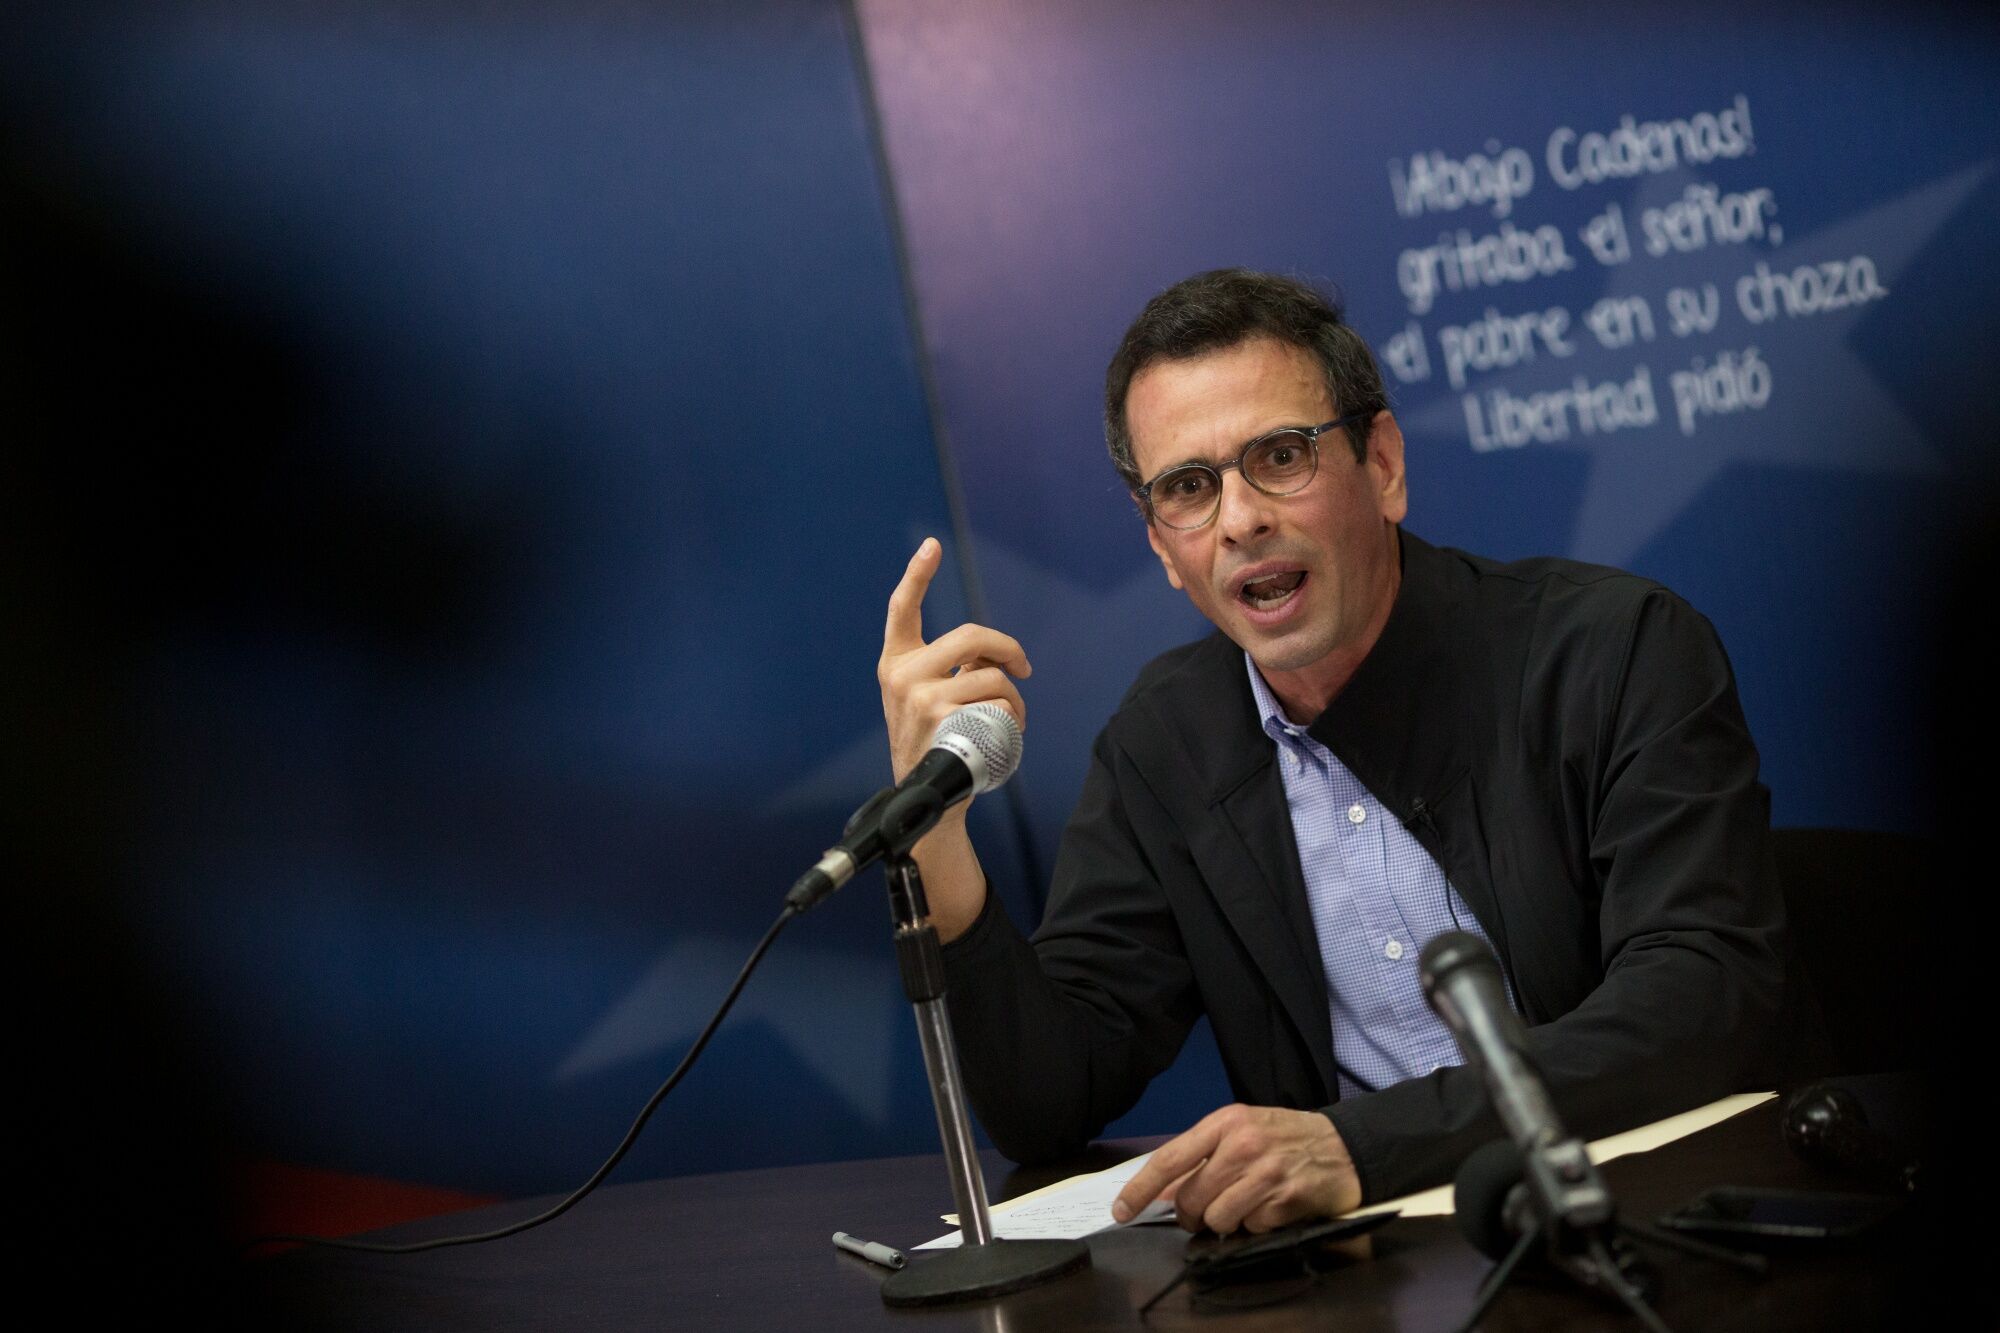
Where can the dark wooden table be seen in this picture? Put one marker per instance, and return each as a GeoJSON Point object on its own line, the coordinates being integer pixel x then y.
{"type": "Point", "coordinates": [751, 1250]}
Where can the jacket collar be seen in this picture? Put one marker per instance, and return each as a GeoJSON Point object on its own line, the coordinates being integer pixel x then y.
{"type": "Point", "coordinates": [1418, 705]}
{"type": "Point", "coordinates": [1405, 753]}
{"type": "Point", "coordinates": [1402, 754]}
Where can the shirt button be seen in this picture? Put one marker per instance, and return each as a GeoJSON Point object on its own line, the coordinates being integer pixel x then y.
{"type": "Point", "coordinates": [1394, 949]}
{"type": "Point", "coordinates": [1355, 814]}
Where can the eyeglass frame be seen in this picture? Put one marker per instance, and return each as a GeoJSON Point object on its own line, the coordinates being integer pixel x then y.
{"type": "Point", "coordinates": [1144, 493]}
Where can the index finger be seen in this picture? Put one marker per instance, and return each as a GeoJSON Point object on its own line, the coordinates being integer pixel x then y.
{"type": "Point", "coordinates": [904, 631]}
{"type": "Point", "coordinates": [1169, 1162]}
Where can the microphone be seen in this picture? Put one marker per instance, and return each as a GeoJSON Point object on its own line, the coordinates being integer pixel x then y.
{"type": "Point", "coordinates": [1461, 981]}
{"type": "Point", "coordinates": [974, 750]}
{"type": "Point", "coordinates": [1537, 1188]}
{"type": "Point", "coordinates": [1489, 1198]}
{"type": "Point", "coordinates": [1827, 1125]}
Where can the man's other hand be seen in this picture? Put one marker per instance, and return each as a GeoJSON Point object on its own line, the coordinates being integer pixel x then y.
{"type": "Point", "coordinates": [1252, 1167]}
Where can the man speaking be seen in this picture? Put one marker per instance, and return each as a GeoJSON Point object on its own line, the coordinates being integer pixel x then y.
{"type": "Point", "coordinates": [1384, 741]}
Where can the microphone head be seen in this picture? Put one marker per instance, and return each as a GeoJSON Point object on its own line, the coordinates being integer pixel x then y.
{"type": "Point", "coordinates": [1448, 953]}
{"type": "Point", "coordinates": [988, 739]}
{"type": "Point", "coordinates": [1479, 1196]}
{"type": "Point", "coordinates": [1821, 1122]}
{"type": "Point", "coordinates": [1827, 1125]}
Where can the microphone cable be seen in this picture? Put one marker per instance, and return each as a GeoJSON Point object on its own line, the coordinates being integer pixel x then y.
{"type": "Point", "coordinates": [597, 1177]}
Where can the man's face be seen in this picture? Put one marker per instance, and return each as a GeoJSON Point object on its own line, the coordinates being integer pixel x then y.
{"type": "Point", "coordinates": [1334, 540]}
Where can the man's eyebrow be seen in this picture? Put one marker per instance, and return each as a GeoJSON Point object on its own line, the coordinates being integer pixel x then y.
{"type": "Point", "coordinates": [1234, 449]}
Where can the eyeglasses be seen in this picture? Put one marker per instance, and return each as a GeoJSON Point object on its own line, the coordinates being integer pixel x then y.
{"type": "Point", "coordinates": [1280, 463]}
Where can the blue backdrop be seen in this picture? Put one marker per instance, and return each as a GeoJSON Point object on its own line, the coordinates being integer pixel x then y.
{"type": "Point", "coordinates": [598, 367]}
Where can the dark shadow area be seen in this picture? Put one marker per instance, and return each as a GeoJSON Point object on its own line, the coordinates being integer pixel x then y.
{"type": "Point", "coordinates": [168, 470]}
{"type": "Point", "coordinates": [1851, 901]}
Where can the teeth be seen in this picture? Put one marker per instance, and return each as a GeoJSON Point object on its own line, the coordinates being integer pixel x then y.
{"type": "Point", "coordinates": [1276, 588]}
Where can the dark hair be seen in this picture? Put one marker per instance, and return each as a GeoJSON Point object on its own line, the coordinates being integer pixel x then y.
{"type": "Point", "coordinates": [1224, 307]}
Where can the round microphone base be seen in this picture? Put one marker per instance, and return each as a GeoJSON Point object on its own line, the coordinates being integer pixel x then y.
{"type": "Point", "coordinates": [978, 1272]}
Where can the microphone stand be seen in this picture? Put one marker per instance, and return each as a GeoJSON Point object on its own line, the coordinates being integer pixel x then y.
{"type": "Point", "coordinates": [1548, 1190]}
{"type": "Point", "coordinates": [1562, 1205]}
{"type": "Point", "coordinates": [983, 1265]}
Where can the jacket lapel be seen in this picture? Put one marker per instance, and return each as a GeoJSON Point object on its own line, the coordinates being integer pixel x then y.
{"type": "Point", "coordinates": [1266, 903]}
{"type": "Point", "coordinates": [1231, 804]}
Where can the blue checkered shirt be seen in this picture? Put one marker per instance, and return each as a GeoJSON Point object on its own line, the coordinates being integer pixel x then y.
{"type": "Point", "coordinates": [1377, 898]}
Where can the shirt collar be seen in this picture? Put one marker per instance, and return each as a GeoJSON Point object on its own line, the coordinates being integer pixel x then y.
{"type": "Point", "coordinates": [1276, 725]}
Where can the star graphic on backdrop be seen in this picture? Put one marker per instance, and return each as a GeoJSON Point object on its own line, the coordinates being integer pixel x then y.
{"type": "Point", "coordinates": [1085, 640]}
{"type": "Point", "coordinates": [1070, 633]}
{"type": "Point", "coordinates": [676, 996]}
{"type": "Point", "coordinates": [1827, 409]}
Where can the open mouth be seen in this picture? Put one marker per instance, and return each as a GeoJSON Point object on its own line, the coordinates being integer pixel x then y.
{"type": "Point", "coordinates": [1268, 593]}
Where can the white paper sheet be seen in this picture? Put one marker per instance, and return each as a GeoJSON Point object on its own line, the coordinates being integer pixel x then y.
{"type": "Point", "coordinates": [1437, 1202]}
{"type": "Point", "coordinates": [1067, 1210]}
{"type": "Point", "coordinates": [1077, 1207]}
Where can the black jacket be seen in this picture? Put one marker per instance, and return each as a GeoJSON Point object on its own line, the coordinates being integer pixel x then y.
{"type": "Point", "coordinates": [1564, 739]}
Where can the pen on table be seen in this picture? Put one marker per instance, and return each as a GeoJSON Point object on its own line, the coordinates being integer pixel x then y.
{"type": "Point", "coordinates": [874, 1251]}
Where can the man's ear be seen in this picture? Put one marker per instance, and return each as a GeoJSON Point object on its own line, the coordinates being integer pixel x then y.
{"type": "Point", "coordinates": [1160, 550]}
{"type": "Point", "coordinates": [1385, 465]}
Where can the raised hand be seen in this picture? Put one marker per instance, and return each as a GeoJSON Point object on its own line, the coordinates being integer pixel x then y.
{"type": "Point", "coordinates": [922, 683]}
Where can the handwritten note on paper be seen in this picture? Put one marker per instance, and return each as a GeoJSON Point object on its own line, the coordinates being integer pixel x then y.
{"type": "Point", "coordinates": [1071, 1210]}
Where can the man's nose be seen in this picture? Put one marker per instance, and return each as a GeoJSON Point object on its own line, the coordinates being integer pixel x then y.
{"type": "Point", "coordinates": [1245, 511]}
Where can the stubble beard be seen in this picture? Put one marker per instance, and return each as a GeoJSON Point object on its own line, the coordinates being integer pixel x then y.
{"type": "Point", "coordinates": [1292, 656]}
